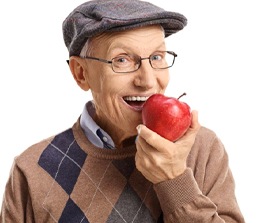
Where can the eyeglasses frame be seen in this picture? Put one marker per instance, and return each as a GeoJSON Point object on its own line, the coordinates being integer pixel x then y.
{"type": "Point", "coordinates": [139, 61]}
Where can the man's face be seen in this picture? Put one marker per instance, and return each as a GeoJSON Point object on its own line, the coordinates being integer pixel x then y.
{"type": "Point", "coordinates": [112, 92]}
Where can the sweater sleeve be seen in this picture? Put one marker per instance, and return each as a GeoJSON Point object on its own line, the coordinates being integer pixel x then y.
{"type": "Point", "coordinates": [16, 205]}
{"type": "Point", "coordinates": [204, 193]}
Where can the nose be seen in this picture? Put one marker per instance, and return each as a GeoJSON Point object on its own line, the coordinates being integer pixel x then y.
{"type": "Point", "coordinates": [145, 76]}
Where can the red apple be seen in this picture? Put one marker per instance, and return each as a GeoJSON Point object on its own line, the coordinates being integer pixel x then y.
{"type": "Point", "coordinates": [166, 116]}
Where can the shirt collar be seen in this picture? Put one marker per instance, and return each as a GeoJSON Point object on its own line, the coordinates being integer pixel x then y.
{"type": "Point", "coordinates": [92, 130]}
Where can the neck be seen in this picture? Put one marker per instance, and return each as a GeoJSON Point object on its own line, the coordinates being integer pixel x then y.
{"type": "Point", "coordinates": [120, 137]}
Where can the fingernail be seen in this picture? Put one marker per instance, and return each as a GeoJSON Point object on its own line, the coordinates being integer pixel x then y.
{"type": "Point", "coordinates": [138, 129]}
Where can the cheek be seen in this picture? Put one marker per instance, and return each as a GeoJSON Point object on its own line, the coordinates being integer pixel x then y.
{"type": "Point", "coordinates": [163, 80]}
{"type": "Point", "coordinates": [107, 90]}
{"type": "Point", "coordinates": [99, 78]}
{"type": "Point", "coordinates": [113, 85]}
{"type": "Point", "coordinates": [106, 107]}
{"type": "Point", "coordinates": [95, 82]}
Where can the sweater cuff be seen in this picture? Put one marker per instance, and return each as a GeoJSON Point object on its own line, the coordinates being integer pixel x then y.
{"type": "Point", "coordinates": [175, 193]}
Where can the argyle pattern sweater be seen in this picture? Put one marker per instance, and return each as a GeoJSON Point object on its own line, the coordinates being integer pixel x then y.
{"type": "Point", "coordinates": [66, 179]}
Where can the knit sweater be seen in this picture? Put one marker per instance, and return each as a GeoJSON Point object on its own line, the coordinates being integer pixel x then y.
{"type": "Point", "coordinates": [66, 179]}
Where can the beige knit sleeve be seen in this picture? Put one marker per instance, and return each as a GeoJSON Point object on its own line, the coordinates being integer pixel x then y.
{"type": "Point", "coordinates": [206, 190]}
{"type": "Point", "coordinates": [16, 205]}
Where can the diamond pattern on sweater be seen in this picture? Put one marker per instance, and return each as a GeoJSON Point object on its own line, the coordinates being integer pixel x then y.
{"type": "Point", "coordinates": [66, 163]}
{"type": "Point", "coordinates": [136, 212]}
{"type": "Point", "coordinates": [63, 160]}
{"type": "Point", "coordinates": [72, 213]}
{"type": "Point", "coordinates": [126, 167]}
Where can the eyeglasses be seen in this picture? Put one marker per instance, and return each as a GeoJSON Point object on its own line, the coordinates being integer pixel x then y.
{"type": "Point", "coordinates": [127, 63]}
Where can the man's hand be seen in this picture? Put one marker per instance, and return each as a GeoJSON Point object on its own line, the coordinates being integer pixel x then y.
{"type": "Point", "coordinates": [159, 159]}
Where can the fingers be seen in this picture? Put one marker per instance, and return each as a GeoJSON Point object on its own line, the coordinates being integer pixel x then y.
{"type": "Point", "coordinates": [195, 122]}
{"type": "Point", "coordinates": [159, 159]}
{"type": "Point", "coordinates": [195, 125]}
{"type": "Point", "coordinates": [158, 142]}
{"type": "Point", "coordinates": [141, 158]}
{"type": "Point", "coordinates": [189, 137]}
{"type": "Point", "coordinates": [152, 138]}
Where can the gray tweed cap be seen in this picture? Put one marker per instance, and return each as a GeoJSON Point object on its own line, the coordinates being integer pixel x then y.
{"type": "Point", "coordinates": [97, 16]}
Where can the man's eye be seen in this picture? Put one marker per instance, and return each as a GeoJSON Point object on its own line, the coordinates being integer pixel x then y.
{"type": "Point", "coordinates": [121, 60]}
{"type": "Point", "coordinates": [156, 57]}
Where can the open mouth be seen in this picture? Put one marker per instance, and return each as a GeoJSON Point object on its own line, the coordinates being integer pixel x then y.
{"type": "Point", "coordinates": [136, 102]}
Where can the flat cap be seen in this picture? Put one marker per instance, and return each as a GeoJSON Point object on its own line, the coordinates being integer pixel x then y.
{"type": "Point", "coordinates": [97, 16]}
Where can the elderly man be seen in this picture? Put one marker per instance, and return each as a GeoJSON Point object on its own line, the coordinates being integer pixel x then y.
{"type": "Point", "coordinates": [108, 167]}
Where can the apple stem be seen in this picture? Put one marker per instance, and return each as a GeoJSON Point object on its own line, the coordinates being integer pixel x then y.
{"type": "Point", "coordinates": [181, 96]}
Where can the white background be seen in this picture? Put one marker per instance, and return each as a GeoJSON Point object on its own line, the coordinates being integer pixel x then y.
{"type": "Point", "coordinates": [227, 63]}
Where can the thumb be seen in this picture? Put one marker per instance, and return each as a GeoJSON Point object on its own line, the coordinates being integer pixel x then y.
{"type": "Point", "coordinates": [144, 132]}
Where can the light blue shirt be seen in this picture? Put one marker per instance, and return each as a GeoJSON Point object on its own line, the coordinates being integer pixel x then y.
{"type": "Point", "coordinates": [93, 132]}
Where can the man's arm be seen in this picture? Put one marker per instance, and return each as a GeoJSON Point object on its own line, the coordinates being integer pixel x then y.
{"type": "Point", "coordinates": [16, 205]}
{"type": "Point", "coordinates": [198, 188]}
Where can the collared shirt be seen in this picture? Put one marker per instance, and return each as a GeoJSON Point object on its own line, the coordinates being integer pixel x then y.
{"type": "Point", "coordinates": [93, 132]}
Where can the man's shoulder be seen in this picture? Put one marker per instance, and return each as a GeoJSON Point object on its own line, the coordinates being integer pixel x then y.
{"type": "Point", "coordinates": [206, 134]}
{"type": "Point", "coordinates": [206, 140]}
{"type": "Point", "coordinates": [34, 152]}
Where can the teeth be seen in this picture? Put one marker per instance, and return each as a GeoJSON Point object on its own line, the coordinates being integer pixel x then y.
{"type": "Point", "coordinates": [135, 98]}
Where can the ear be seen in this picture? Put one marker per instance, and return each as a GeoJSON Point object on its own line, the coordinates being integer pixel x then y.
{"type": "Point", "coordinates": [78, 69]}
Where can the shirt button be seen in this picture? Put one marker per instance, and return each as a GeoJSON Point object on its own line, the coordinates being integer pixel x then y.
{"type": "Point", "coordinates": [105, 139]}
